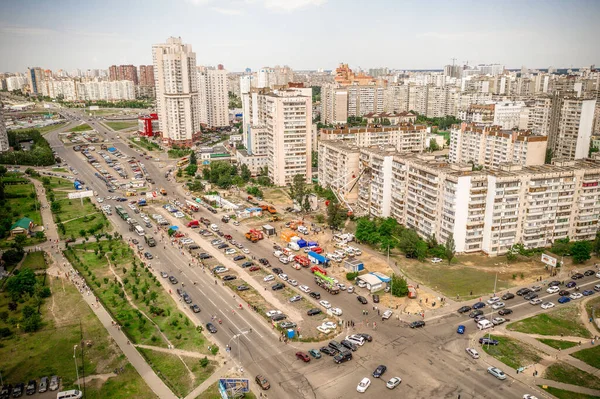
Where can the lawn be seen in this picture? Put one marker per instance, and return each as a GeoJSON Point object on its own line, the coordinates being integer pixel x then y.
{"type": "Point", "coordinates": [557, 343]}
{"type": "Point", "coordinates": [34, 261]}
{"type": "Point", "coordinates": [76, 218]}
{"type": "Point", "coordinates": [49, 351]}
{"type": "Point", "coordinates": [56, 183]}
{"type": "Point", "coordinates": [82, 128]}
{"type": "Point", "coordinates": [589, 306]}
{"type": "Point", "coordinates": [120, 125]}
{"type": "Point", "coordinates": [590, 356]}
{"type": "Point", "coordinates": [567, 374]}
{"type": "Point", "coordinates": [512, 352]}
{"type": "Point", "coordinates": [44, 129]}
{"type": "Point", "coordinates": [212, 392]}
{"type": "Point", "coordinates": [20, 203]}
{"type": "Point", "coordinates": [144, 290]}
{"type": "Point", "coordinates": [145, 143]}
{"type": "Point", "coordinates": [562, 394]}
{"type": "Point", "coordinates": [174, 373]}
{"type": "Point", "coordinates": [564, 320]}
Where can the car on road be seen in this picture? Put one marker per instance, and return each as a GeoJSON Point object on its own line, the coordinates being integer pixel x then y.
{"type": "Point", "coordinates": [417, 324]}
{"type": "Point", "coordinates": [173, 280]}
{"type": "Point", "coordinates": [523, 291]}
{"type": "Point", "coordinates": [148, 255]}
{"type": "Point", "coordinates": [473, 353]}
{"type": "Point", "coordinates": [387, 314]}
{"type": "Point", "coordinates": [379, 371]}
{"type": "Point", "coordinates": [287, 324]}
{"type": "Point", "coordinates": [362, 299]}
{"type": "Point", "coordinates": [303, 356]}
{"type": "Point", "coordinates": [436, 260]}
{"type": "Point", "coordinates": [239, 257]}
{"type": "Point", "coordinates": [277, 270]}
{"type": "Point", "coordinates": [336, 311]}
{"type": "Point", "coordinates": [464, 309]}
{"type": "Point", "coordinates": [304, 288]}
{"type": "Point", "coordinates": [277, 287]}
{"type": "Point", "coordinates": [530, 296]}
{"type": "Point", "coordinates": [588, 292]}
{"type": "Point", "coordinates": [195, 308]}
{"type": "Point", "coordinates": [496, 372]}
{"type": "Point", "coordinates": [211, 328]}
{"type": "Point", "coordinates": [536, 301]}
{"type": "Point", "coordinates": [328, 351]}
{"type": "Point", "coordinates": [553, 290]}
{"type": "Point", "coordinates": [488, 341]}
{"type": "Point", "coordinates": [283, 276]}
{"type": "Point", "coordinates": [498, 320]}
{"type": "Point", "coordinates": [493, 300]}
{"type": "Point", "coordinates": [342, 356]}
{"type": "Point", "coordinates": [571, 284]}
{"type": "Point", "coordinates": [564, 293]}
{"type": "Point", "coordinates": [507, 296]}
{"type": "Point", "coordinates": [229, 277]}
{"type": "Point", "coordinates": [315, 353]}
{"type": "Point", "coordinates": [313, 312]}
{"type": "Point", "coordinates": [268, 278]}
{"type": "Point", "coordinates": [504, 312]}
{"type": "Point", "coordinates": [528, 396]}
{"type": "Point", "coordinates": [393, 382]}
{"type": "Point", "coordinates": [461, 329]}
{"type": "Point", "coordinates": [498, 305]}
{"type": "Point", "coordinates": [262, 382]}
{"type": "Point", "coordinates": [325, 304]}
{"type": "Point", "coordinates": [475, 313]}
{"type": "Point", "coordinates": [564, 299]}
{"type": "Point", "coordinates": [577, 276]}
{"type": "Point", "coordinates": [479, 305]}
{"type": "Point", "coordinates": [536, 288]}
{"type": "Point", "coordinates": [296, 298]}
{"type": "Point", "coordinates": [589, 273]}
{"type": "Point", "coordinates": [363, 385]}
{"type": "Point", "coordinates": [164, 274]}
{"type": "Point", "coordinates": [576, 295]}
{"type": "Point", "coordinates": [315, 295]}
{"type": "Point", "coordinates": [547, 305]}
{"type": "Point", "coordinates": [554, 283]}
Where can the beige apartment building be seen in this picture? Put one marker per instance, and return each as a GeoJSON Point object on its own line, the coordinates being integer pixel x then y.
{"type": "Point", "coordinates": [213, 96]}
{"type": "Point", "coordinates": [334, 104]}
{"type": "Point", "coordinates": [338, 167]}
{"type": "Point", "coordinates": [490, 146]}
{"type": "Point", "coordinates": [486, 211]}
{"type": "Point", "coordinates": [405, 137]}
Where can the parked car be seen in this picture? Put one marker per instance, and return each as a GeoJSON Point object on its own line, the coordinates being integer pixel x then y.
{"type": "Point", "coordinates": [417, 324]}
{"type": "Point", "coordinates": [315, 353]}
{"type": "Point", "coordinates": [328, 351]}
{"type": "Point", "coordinates": [362, 299]}
{"type": "Point", "coordinates": [547, 305]}
{"type": "Point", "coordinates": [473, 353]}
{"type": "Point", "coordinates": [287, 324]}
{"type": "Point", "coordinates": [43, 387]}
{"type": "Point", "coordinates": [504, 312]}
{"type": "Point", "coordinates": [393, 382]}
{"type": "Point", "coordinates": [277, 287]}
{"type": "Point", "coordinates": [296, 298]}
{"type": "Point", "coordinates": [239, 257]}
{"type": "Point", "coordinates": [479, 305]}
{"type": "Point", "coordinates": [350, 345]}
{"type": "Point", "coordinates": [363, 385]}
{"type": "Point", "coordinates": [31, 387]}
{"type": "Point", "coordinates": [303, 356]}
{"type": "Point", "coordinates": [475, 313]}
{"type": "Point", "coordinates": [379, 371]}
{"type": "Point", "coordinates": [488, 341]}
{"type": "Point", "coordinates": [564, 299]}
{"type": "Point", "coordinates": [464, 309]}
{"type": "Point", "coordinates": [571, 284]}
{"type": "Point", "coordinates": [577, 276]}
{"type": "Point", "coordinates": [229, 277]}
{"type": "Point", "coordinates": [315, 295]}
{"type": "Point", "coordinates": [523, 291]}
{"type": "Point", "coordinates": [530, 296]}
{"type": "Point", "coordinates": [313, 312]}
{"type": "Point", "coordinates": [375, 298]}
{"type": "Point", "coordinates": [508, 296]}
{"type": "Point", "coordinates": [460, 329]}
{"type": "Point", "coordinates": [262, 382]}
{"type": "Point", "coordinates": [589, 273]}
{"type": "Point", "coordinates": [54, 383]}
{"type": "Point", "coordinates": [496, 372]}
{"type": "Point", "coordinates": [552, 290]}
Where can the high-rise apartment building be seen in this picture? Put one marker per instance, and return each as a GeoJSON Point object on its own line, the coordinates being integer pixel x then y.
{"type": "Point", "coordinates": [35, 77]}
{"type": "Point", "coordinates": [123, 72]}
{"type": "Point", "coordinates": [338, 167]}
{"type": "Point", "coordinates": [213, 97]}
{"type": "Point", "coordinates": [146, 75]}
{"type": "Point", "coordinates": [176, 85]}
{"type": "Point", "coordinates": [334, 104]}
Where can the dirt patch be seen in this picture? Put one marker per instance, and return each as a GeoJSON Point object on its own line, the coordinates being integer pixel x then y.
{"type": "Point", "coordinates": [98, 379]}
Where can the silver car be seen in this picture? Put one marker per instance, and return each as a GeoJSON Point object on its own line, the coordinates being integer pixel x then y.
{"type": "Point", "coordinates": [496, 372]}
{"type": "Point", "coordinates": [54, 383]}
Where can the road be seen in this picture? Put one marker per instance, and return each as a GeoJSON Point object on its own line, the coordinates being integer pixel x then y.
{"type": "Point", "coordinates": [431, 361]}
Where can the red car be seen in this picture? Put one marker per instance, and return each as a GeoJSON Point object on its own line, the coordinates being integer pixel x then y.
{"type": "Point", "coordinates": [303, 356]}
{"type": "Point", "coordinates": [254, 268]}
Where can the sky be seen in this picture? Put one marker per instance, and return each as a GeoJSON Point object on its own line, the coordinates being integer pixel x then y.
{"type": "Point", "coordinates": [304, 34]}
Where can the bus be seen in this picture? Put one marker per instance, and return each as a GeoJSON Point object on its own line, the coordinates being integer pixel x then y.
{"type": "Point", "coordinates": [121, 212]}
{"type": "Point", "coordinates": [183, 161]}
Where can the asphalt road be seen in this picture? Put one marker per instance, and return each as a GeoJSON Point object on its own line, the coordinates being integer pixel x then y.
{"type": "Point", "coordinates": [431, 361]}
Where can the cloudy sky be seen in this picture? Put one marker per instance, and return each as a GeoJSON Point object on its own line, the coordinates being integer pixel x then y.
{"type": "Point", "coordinates": [304, 34]}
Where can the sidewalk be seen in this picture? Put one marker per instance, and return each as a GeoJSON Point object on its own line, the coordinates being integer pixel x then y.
{"type": "Point", "coordinates": [214, 377]}
{"type": "Point", "coordinates": [50, 227]}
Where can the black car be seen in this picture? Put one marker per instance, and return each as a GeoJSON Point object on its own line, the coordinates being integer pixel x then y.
{"type": "Point", "coordinates": [475, 313]}
{"type": "Point", "coordinates": [223, 246]}
{"type": "Point", "coordinates": [417, 324]}
{"type": "Point", "coordinates": [148, 255]}
{"type": "Point", "coordinates": [242, 288]}
{"type": "Point", "coordinates": [564, 293]}
{"type": "Point", "coordinates": [18, 390]}
{"type": "Point", "coordinates": [589, 273]}
{"type": "Point", "coordinates": [211, 327]}
{"type": "Point", "coordinates": [479, 305]}
{"type": "Point", "coordinates": [504, 312]}
{"type": "Point", "coordinates": [379, 371]}
{"type": "Point", "coordinates": [571, 284]}
{"type": "Point", "coordinates": [173, 280]}
{"type": "Point", "coordinates": [554, 283]}
{"type": "Point", "coordinates": [239, 257]}
{"type": "Point", "coordinates": [362, 299]}
{"type": "Point", "coordinates": [464, 309]}
{"type": "Point", "coordinates": [367, 337]}
{"type": "Point", "coordinates": [279, 317]}
{"type": "Point", "coordinates": [277, 270]}
{"type": "Point", "coordinates": [278, 286]}
{"type": "Point", "coordinates": [315, 295]}
{"type": "Point", "coordinates": [530, 296]}
{"type": "Point", "coordinates": [523, 291]}
{"type": "Point", "coordinates": [342, 357]}
{"type": "Point", "coordinates": [5, 391]}
{"type": "Point", "coordinates": [229, 277]}
{"type": "Point", "coordinates": [247, 264]}
{"type": "Point", "coordinates": [336, 345]}
{"type": "Point", "coordinates": [195, 308]}
{"type": "Point", "coordinates": [313, 312]}
{"type": "Point", "coordinates": [204, 255]}
{"type": "Point", "coordinates": [577, 276]}
{"type": "Point", "coordinates": [488, 341]}
{"type": "Point", "coordinates": [179, 291]}
{"type": "Point", "coordinates": [263, 261]}
{"type": "Point", "coordinates": [328, 351]}
{"type": "Point", "coordinates": [187, 299]}
{"type": "Point", "coordinates": [135, 241]}
{"type": "Point", "coordinates": [353, 347]}
{"type": "Point", "coordinates": [31, 387]}
{"type": "Point", "coordinates": [375, 298]}
{"type": "Point", "coordinates": [508, 296]}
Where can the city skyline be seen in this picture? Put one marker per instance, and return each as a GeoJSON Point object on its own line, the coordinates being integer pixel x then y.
{"type": "Point", "coordinates": [312, 34]}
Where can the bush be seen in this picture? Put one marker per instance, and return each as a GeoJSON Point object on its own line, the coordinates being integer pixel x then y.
{"type": "Point", "coordinates": [351, 276]}
{"type": "Point", "coordinates": [214, 350]}
{"type": "Point", "coordinates": [204, 362]}
{"type": "Point", "coordinates": [5, 332]}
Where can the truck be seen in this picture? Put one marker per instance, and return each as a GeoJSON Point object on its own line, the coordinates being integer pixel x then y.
{"type": "Point", "coordinates": [317, 259]}
{"type": "Point", "coordinates": [412, 292]}
{"type": "Point", "coordinates": [121, 212]}
{"type": "Point", "coordinates": [317, 269]}
{"type": "Point", "coordinates": [163, 191]}
{"type": "Point", "coordinates": [139, 230]}
{"type": "Point", "coordinates": [225, 219]}
{"type": "Point", "coordinates": [272, 210]}
{"type": "Point", "coordinates": [326, 283]}
{"type": "Point", "coordinates": [251, 237]}
{"type": "Point", "coordinates": [150, 241]}
{"type": "Point", "coordinates": [302, 260]}
{"type": "Point", "coordinates": [259, 235]}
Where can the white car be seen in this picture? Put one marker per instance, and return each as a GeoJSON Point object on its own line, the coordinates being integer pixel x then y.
{"type": "Point", "coordinates": [236, 223]}
{"type": "Point", "coordinates": [547, 305]}
{"type": "Point", "coordinates": [553, 290]}
{"type": "Point", "coordinates": [393, 382]}
{"type": "Point", "coordinates": [473, 353]}
{"type": "Point", "coordinates": [598, 274]}
{"type": "Point", "coordinates": [498, 305]}
{"type": "Point", "coordinates": [360, 341]}
{"type": "Point", "coordinates": [323, 329]}
{"type": "Point", "coordinates": [329, 324]}
{"type": "Point", "coordinates": [325, 304]}
{"type": "Point", "coordinates": [268, 278]}
{"type": "Point", "coordinates": [246, 250]}
{"type": "Point", "coordinates": [493, 299]}
{"type": "Point", "coordinates": [498, 320]}
{"type": "Point", "coordinates": [436, 260]}
{"type": "Point", "coordinates": [386, 315]}
{"type": "Point", "coordinates": [350, 289]}
{"type": "Point", "coordinates": [283, 276]}
{"type": "Point", "coordinates": [272, 313]}
{"type": "Point", "coordinates": [230, 251]}
{"type": "Point", "coordinates": [536, 301]}
{"type": "Point", "coordinates": [496, 372]}
{"type": "Point", "coordinates": [336, 311]}
{"type": "Point", "coordinates": [100, 199]}
{"type": "Point", "coordinates": [528, 396]}
{"type": "Point", "coordinates": [342, 287]}
{"type": "Point", "coordinates": [293, 282]}
{"type": "Point", "coordinates": [576, 295]}
{"type": "Point", "coordinates": [363, 385]}
{"type": "Point", "coordinates": [179, 214]}
{"type": "Point", "coordinates": [304, 288]}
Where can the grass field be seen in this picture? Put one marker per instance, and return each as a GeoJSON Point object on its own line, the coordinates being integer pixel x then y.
{"type": "Point", "coordinates": [212, 392]}
{"type": "Point", "coordinates": [82, 128]}
{"type": "Point", "coordinates": [557, 343]}
{"type": "Point", "coordinates": [589, 306]}
{"type": "Point", "coordinates": [562, 394]}
{"type": "Point", "coordinates": [146, 144]}
{"type": "Point", "coordinates": [564, 320]}
{"type": "Point", "coordinates": [76, 217]}
{"type": "Point", "coordinates": [174, 372]}
{"type": "Point", "coordinates": [120, 125]}
{"type": "Point", "coordinates": [512, 352]}
{"type": "Point", "coordinates": [590, 356]}
{"type": "Point", "coordinates": [565, 373]}
{"type": "Point", "coordinates": [34, 261]}
{"type": "Point", "coordinates": [44, 129]}
{"type": "Point", "coordinates": [144, 290]}
{"type": "Point", "coordinates": [19, 204]}
{"type": "Point", "coordinates": [59, 184]}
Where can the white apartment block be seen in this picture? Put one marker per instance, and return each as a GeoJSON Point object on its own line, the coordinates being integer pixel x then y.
{"type": "Point", "coordinates": [479, 114]}
{"type": "Point", "coordinates": [405, 137]}
{"type": "Point", "coordinates": [15, 83]}
{"type": "Point", "coordinates": [507, 114]}
{"type": "Point", "coordinates": [486, 211]}
{"type": "Point", "coordinates": [491, 146]}
{"type": "Point", "coordinates": [334, 104]}
{"type": "Point", "coordinates": [176, 83]}
{"type": "Point", "coordinates": [571, 127]}
{"type": "Point", "coordinates": [213, 97]}
{"type": "Point", "coordinates": [338, 168]}
{"type": "Point", "coordinates": [254, 162]}
{"type": "Point", "coordinates": [365, 99]}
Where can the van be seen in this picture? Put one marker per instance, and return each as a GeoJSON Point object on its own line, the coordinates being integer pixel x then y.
{"type": "Point", "coordinates": [341, 244]}
{"type": "Point", "coordinates": [72, 394]}
{"type": "Point", "coordinates": [214, 227]}
{"type": "Point", "coordinates": [483, 324]}
{"type": "Point", "coordinates": [303, 229]}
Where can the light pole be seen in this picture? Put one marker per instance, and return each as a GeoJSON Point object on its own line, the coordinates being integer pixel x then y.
{"type": "Point", "coordinates": [76, 369]}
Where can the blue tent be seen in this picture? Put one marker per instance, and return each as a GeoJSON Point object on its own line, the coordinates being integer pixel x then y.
{"type": "Point", "coordinates": [112, 149]}
{"type": "Point", "coordinates": [302, 243]}
{"type": "Point", "coordinates": [173, 228]}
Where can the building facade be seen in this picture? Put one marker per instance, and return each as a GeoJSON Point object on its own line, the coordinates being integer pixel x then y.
{"type": "Point", "coordinates": [338, 168]}
{"type": "Point", "coordinates": [213, 97]}
{"type": "Point", "coordinates": [35, 77]}
{"type": "Point", "coordinates": [405, 137]}
{"type": "Point", "coordinates": [123, 72]}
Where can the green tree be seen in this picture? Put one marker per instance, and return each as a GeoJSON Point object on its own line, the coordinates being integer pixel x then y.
{"type": "Point", "coordinates": [549, 155]}
{"type": "Point", "coordinates": [3, 171]}
{"type": "Point", "coordinates": [597, 243]}
{"type": "Point", "coordinates": [245, 173]}
{"type": "Point", "coordinates": [21, 283]}
{"type": "Point", "coordinates": [55, 206]}
{"type": "Point", "coordinates": [191, 169]}
{"type": "Point", "coordinates": [314, 159]}
{"type": "Point", "coordinates": [433, 145]}
{"type": "Point", "coordinates": [20, 239]}
{"type": "Point", "coordinates": [193, 160]}
{"type": "Point", "coordinates": [336, 215]}
{"type": "Point", "coordinates": [298, 189]}
{"type": "Point", "coordinates": [398, 286]}
{"type": "Point", "coordinates": [561, 246]}
{"type": "Point", "coordinates": [179, 172]}
{"type": "Point", "coordinates": [581, 251]}
{"type": "Point", "coordinates": [450, 248]}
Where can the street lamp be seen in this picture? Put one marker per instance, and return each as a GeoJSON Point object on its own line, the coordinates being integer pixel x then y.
{"type": "Point", "coordinates": [76, 369]}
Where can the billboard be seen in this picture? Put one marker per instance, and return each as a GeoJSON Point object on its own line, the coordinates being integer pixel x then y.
{"type": "Point", "coordinates": [94, 108]}
{"type": "Point", "coordinates": [549, 260]}
{"type": "Point", "coordinates": [81, 194]}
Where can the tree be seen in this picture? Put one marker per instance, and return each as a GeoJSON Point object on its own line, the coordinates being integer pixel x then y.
{"type": "Point", "coordinates": [335, 215]}
{"type": "Point", "coordinates": [55, 206]}
{"type": "Point", "coordinates": [245, 173]}
{"type": "Point", "coordinates": [398, 286]}
{"type": "Point", "coordinates": [193, 160]}
{"type": "Point", "coordinates": [306, 206]}
{"type": "Point", "coordinates": [3, 171]}
{"type": "Point", "coordinates": [549, 155]}
{"type": "Point", "coordinates": [561, 246]}
{"type": "Point", "coordinates": [433, 145]}
{"type": "Point", "coordinates": [179, 172]}
{"type": "Point", "coordinates": [191, 169]}
{"type": "Point", "coordinates": [20, 239]}
{"type": "Point", "coordinates": [597, 243]}
{"type": "Point", "coordinates": [21, 283]}
{"type": "Point", "coordinates": [581, 251]}
{"type": "Point", "coordinates": [450, 248]}
{"type": "Point", "coordinates": [314, 159]}
{"type": "Point", "coordinates": [298, 189]}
